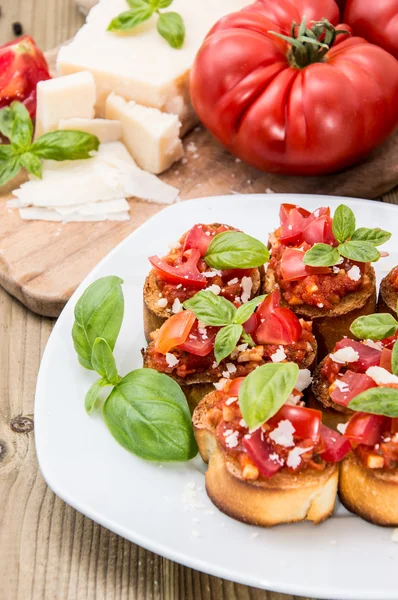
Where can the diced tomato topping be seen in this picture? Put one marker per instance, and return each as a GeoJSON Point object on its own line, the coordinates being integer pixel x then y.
{"type": "Point", "coordinates": [366, 429]}
{"type": "Point", "coordinates": [271, 302]}
{"type": "Point", "coordinates": [337, 446]}
{"type": "Point", "coordinates": [187, 273]}
{"type": "Point", "coordinates": [197, 238]}
{"type": "Point", "coordinates": [234, 386]}
{"type": "Point", "coordinates": [251, 324]}
{"type": "Point", "coordinates": [386, 359]}
{"type": "Point", "coordinates": [293, 268]}
{"type": "Point", "coordinates": [280, 327]}
{"type": "Point", "coordinates": [368, 357]}
{"type": "Point", "coordinates": [286, 208]}
{"type": "Point", "coordinates": [260, 450]}
{"type": "Point", "coordinates": [292, 227]}
{"type": "Point", "coordinates": [394, 425]}
{"type": "Point", "coordinates": [174, 331]}
{"type": "Point", "coordinates": [319, 212]}
{"type": "Point", "coordinates": [351, 384]}
{"type": "Point", "coordinates": [306, 421]}
{"type": "Point", "coordinates": [319, 231]}
{"type": "Point", "coordinates": [195, 344]}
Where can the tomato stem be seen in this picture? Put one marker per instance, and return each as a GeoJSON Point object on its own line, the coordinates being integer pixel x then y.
{"type": "Point", "coordinates": [310, 45]}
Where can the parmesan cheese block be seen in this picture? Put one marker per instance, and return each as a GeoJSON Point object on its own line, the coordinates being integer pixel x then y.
{"type": "Point", "coordinates": [106, 131]}
{"type": "Point", "coordinates": [151, 137]}
{"type": "Point", "coordinates": [64, 98]}
{"type": "Point", "coordinates": [140, 65]}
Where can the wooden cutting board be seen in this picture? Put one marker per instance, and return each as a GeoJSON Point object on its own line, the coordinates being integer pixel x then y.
{"type": "Point", "coordinates": [42, 263]}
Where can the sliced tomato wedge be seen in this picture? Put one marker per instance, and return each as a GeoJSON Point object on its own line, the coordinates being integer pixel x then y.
{"type": "Point", "coordinates": [319, 212]}
{"type": "Point", "coordinates": [306, 421]}
{"type": "Point", "coordinates": [366, 429]}
{"type": "Point", "coordinates": [260, 451]}
{"type": "Point", "coordinates": [320, 230]}
{"type": "Point", "coordinates": [337, 446]}
{"type": "Point", "coordinates": [234, 386]}
{"type": "Point", "coordinates": [292, 227]}
{"type": "Point", "coordinates": [351, 384]}
{"type": "Point", "coordinates": [251, 324]}
{"type": "Point", "coordinates": [271, 302]}
{"type": "Point", "coordinates": [293, 268]}
{"type": "Point", "coordinates": [280, 327]}
{"type": "Point", "coordinates": [286, 208]}
{"type": "Point", "coordinates": [187, 273]}
{"type": "Point", "coordinates": [197, 238]}
{"type": "Point", "coordinates": [386, 359]}
{"type": "Point", "coordinates": [196, 344]}
{"type": "Point", "coordinates": [174, 331]}
{"type": "Point", "coordinates": [368, 357]}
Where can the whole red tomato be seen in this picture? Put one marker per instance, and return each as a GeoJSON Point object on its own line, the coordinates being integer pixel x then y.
{"type": "Point", "coordinates": [376, 20]}
{"type": "Point", "coordinates": [292, 106]}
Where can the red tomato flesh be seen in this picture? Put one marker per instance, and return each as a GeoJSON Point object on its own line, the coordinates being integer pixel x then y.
{"type": "Point", "coordinates": [306, 421]}
{"type": "Point", "coordinates": [259, 450]}
{"type": "Point", "coordinates": [319, 231]}
{"type": "Point", "coordinates": [368, 357]}
{"type": "Point", "coordinates": [268, 305]}
{"type": "Point", "coordinates": [293, 268]}
{"type": "Point", "coordinates": [366, 429]}
{"type": "Point", "coordinates": [234, 386]}
{"type": "Point", "coordinates": [174, 331]}
{"type": "Point", "coordinates": [355, 383]}
{"type": "Point", "coordinates": [386, 359]}
{"type": "Point", "coordinates": [280, 327]}
{"type": "Point", "coordinates": [195, 344]}
{"type": "Point", "coordinates": [187, 273]}
{"type": "Point", "coordinates": [337, 446]}
{"type": "Point", "coordinates": [197, 238]}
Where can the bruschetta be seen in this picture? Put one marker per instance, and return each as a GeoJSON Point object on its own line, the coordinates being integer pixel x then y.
{"type": "Point", "coordinates": [284, 471]}
{"type": "Point", "coordinates": [186, 349]}
{"type": "Point", "coordinates": [312, 264]}
{"type": "Point", "coordinates": [388, 293]}
{"type": "Point", "coordinates": [184, 271]}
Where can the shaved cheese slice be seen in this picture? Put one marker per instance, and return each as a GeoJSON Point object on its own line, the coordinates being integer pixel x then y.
{"type": "Point", "coordinates": [45, 214]}
{"type": "Point", "coordinates": [105, 130]}
{"type": "Point", "coordinates": [95, 208]}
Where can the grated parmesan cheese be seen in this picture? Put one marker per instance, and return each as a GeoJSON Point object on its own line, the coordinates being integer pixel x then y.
{"type": "Point", "coordinates": [279, 355]}
{"type": "Point", "coordinates": [247, 285]}
{"type": "Point", "coordinates": [304, 379]}
{"type": "Point", "coordinates": [162, 302]}
{"type": "Point", "coordinates": [283, 434]}
{"type": "Point", "coordinates": [354, 273]}
{"type": "Point", "coordinates": [294, 457]}
{"type": "Point", "coordinates": [177, 306]}
{"type": "Point", "coordinates": [171, 360]}
{"type": "Point", "coordinates": [345, 355]}
{"type": "Point", "coordinates": [381, 376]}
{"type": "Point", "coordinates": [214, 288]}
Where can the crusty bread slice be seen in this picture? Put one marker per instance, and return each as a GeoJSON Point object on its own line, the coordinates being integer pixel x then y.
{"type": "Point", "coordinates": [284, 498]}
{"type": "Point", "coordinates": [320, 390]}
{"type": "Point", "coordinates": [388, 298]}
{"type": "Point", "coordinates": [155, 316]}
{"type": "Point", "coordinates": [331, 326]}
{"type": "Point", "coordinates": [370, 493]}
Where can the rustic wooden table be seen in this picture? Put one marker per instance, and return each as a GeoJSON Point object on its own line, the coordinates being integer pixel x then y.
{"type": "Point", "coordinates": [47, 549]}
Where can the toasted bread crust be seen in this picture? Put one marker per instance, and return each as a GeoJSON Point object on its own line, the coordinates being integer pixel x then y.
{"type": "Point", "coordinates": [388, 298]}
{"type": "Point", "coordinates": [284, 498]}
{"type": "Point", "coordinates": [330, 326]}
{"type": "Point", "coordinates": [155, 316]}
{"type": "Point", "coordinates": [320, 390]}
{"type": "Point", "coordinates": [370, 493]}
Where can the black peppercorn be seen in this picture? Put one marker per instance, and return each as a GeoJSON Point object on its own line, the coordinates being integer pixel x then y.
{"type": "Point", "coordinates": [17, 28]}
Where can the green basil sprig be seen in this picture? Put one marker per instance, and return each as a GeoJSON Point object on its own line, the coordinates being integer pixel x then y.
{"type": "Point", "coordinates": [234, 249]}
{"type": "Point", "coordinates": [16, 124]}
{"type": "Point", "coordinates": [265, 391]}
{"type": "Point", "coordinates": [170, 25]}
{"type": "Point", "coordinates": [355, 244]}
{"type": "Point", "coordinates": [146, 412]}
{"type": "Point", "coordinates": [374, 327]}
{"type": "Point", "coordinates": [377, 401]}
{"type": "Point", "coordinates": [217, 311]}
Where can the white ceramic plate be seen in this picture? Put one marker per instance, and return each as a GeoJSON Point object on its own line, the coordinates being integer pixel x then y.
{"type": "Point", "coordinates": [164, 507]}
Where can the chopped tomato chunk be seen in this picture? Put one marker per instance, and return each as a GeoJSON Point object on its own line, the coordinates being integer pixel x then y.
{"type": "Point", "coordinates": [234, 386]}
{"type": "Point", "coordinates": [368, 357]}
{"type": "Point", "coordinates": [197, 238]}
{"type": "Point", "coordinates": [187, 273]}
{"type": "Point", "coordinates": [319, 231]}
{"type": "Point", "coordinates": [306, 421]}
{"type": "Point", "coordinates": [349, 386]}
{"type": "Point", "coordinates": [366, 429]}
{"type": "Point", "coordinates": [280, 327]}
{"type": "Point", "coordinates": [174, 331]}
{"type": "Point", "coordinates": [386, 359]}
{"type": "Point", "coordinates": [271, 302]}
{"type": "Point", "coordinates": [198, 343]}
{"type": "Point", "coordinates": [293, 268]}
{"type": "Point", "coordinates": [260, 451]}
{"type": "Point", "coordinates": [337, 446]}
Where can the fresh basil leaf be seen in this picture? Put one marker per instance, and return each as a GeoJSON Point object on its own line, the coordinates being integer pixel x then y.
{"type": "Point", "coordinates": [6, 121]}
{"type": "Point", "coordinates": [265, 391]}
{"type": "Point", "coordinates": [394, 359]}
{"type": "Point", "coordinates": [22, 127]}
{"type": "Point", "coordinates": [359, 251]}
{"type": "Point", "coordinates": [93, 394]}
{"type": "Point", "coordinates": [32, 164]}
{"type": "Point", "coordinates": [140, 3]}
{"type": "Point", "coordinates": [211, 309]}
{"type": "Point", "coordinates": [171, 27]}
{"type": "Point", "coordinates": [7, 152]}
{"type": "Point", "coordinates": [98, 313]}
{"type": "Point", "coordinates": [247, 339]}
{"type": "Point", "coordinates": [374, 327]}
{"type": "Point", "coordinates": [103, 361]}
{"type": "Point", "coordinates": [65, 145]}
{"type": "Point", "coordinates": [128, 20]}
{"type": "Point", "coordinates": [148, 414]}
{"type": "Point", "coordinates": [343, 223]}
{"type": "Point", "coordinates": [226, 340]}
{"type": "Point", "coordinates": [377, 401]}
{"type": "Point", "coordinates": [236, 250]}
{"type": "Point", "coordinates": [245, 311]}
{"type": "Point", "coordinates": [321, 255]}
{"type": "Point", "coordinates": [163, 3]}
{"type": "Point", "coordinates": [9, 169]}
{"type": "Point", "coordinates": [376, 237]}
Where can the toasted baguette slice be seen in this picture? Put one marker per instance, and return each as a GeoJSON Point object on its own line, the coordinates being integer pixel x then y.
{"type": "Point", "coordinates": [197, 385]}
{"type": "Point", "coordinates": [370, 493]}
{"type": "Point", "coordinates": [155, 316]}
{"type": "Point", "coordinates": [320, 390]}
{"type": "Point", "coordinates": [331, 326]}
{"type": "Point", "coordinates": [388, 298]}
{"type": "Point", "coordinates": [284, 498]}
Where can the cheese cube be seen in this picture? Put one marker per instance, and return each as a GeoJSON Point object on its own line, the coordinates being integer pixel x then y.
{"type": "Point", "coordinates": [140, 65]}
{"type": "Point", "coordinates": [106, 131]}
{"type": "Point", "coordinates": [64, 98]}
{"type": "Point", "coordinates": [152, 137]}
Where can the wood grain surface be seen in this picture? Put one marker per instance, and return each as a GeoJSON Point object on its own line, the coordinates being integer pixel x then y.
{"type": "Point", "coordinates": [42, 263]}
{"type": "Point", "coordinates": [48, 551]}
